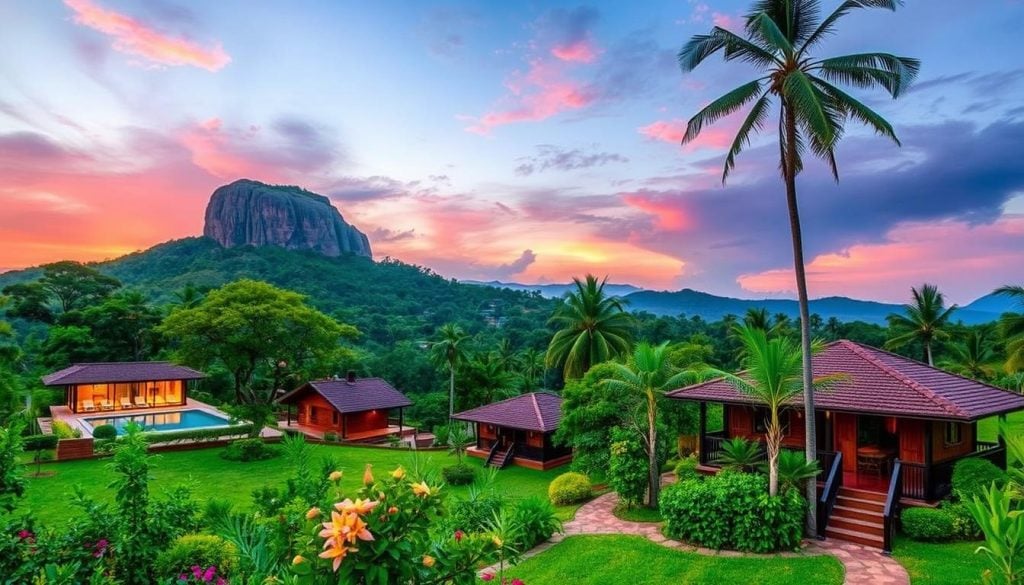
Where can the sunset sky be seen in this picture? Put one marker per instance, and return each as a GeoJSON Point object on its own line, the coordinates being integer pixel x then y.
{"type": "Point", "coordinates": [521, 141]}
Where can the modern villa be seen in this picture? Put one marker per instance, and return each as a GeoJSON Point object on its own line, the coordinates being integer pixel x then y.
{"type": "Point", "coordinates": [355, 409]}
{"type": "Point", "coordinates": [519, 430]}
{"type": "Point", "coordinates": [889, 430]}
{"type": "Point", "coordinates": [117, 386]}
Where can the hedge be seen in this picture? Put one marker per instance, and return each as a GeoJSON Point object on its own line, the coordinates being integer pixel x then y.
{"type": "Point", "coordinates": [40, 442]}
{"type": "Point", "coordinates": [198, 435]}
{"type": "Point", "coordinates": [569, 488]}
{"type": "Point", "coordinates": [928, 524]}
{"type": "Point", "coordinates": [973, 474]}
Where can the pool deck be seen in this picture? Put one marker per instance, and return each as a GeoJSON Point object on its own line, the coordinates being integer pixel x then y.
{"type": "Point", "coordinates": [76, 420]}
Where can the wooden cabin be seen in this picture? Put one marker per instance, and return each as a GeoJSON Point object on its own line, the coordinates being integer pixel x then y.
{"type": "Point", "coordinates": [356, 409]}
{"type": "Point", "coordinates": [899, 425]}
{"type": "Point", "coordinates": [119, 386]}
{"type": "Point", "coordinates": [519, 431]}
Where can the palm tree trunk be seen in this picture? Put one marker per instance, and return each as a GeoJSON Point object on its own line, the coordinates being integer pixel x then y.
{"type": "Point", "coordinates": [451, 391]}
{"type": "Point", "coordinates": [654, 478]}
{"type": "Point", "coordinates": [928, 353]}
{"type": "Point", "coordinates": [811, 448]}
{"type": "Point", "coordinates": [774, 442]}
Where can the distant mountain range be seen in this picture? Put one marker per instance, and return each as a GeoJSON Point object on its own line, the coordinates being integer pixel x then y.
{"type": "Point", "coordinates": [712, 307]}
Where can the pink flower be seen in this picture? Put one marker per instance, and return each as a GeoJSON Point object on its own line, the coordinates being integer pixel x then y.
{"type": "Point", "coordinates": [197, 571]}
{"type": "Point", "coordinates": [210, 572]}
{"type": "Point", "coordinates": [25, 534]}
{"type": "Point", "coordinates": [487, 576]}
{"type": "Point", "coordinates": [517, 582]}
{"type": "Point", "coordinates": [458, 535]}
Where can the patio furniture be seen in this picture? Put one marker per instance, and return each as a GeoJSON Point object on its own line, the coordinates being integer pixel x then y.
{"type": "Point", "coordinates": [88, 406]}
{"type": "Point", "coordinates": [871, 458]}
{"type": "Point", "coordinates": [106, 404]}
{"type": "Point", "coordinates": [141, 402]}
{"type": "Point", "coordinates": [125, 403]}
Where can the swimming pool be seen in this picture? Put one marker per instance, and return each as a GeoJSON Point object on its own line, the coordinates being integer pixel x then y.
{"type": "Point", "coordinates": [178, 420]}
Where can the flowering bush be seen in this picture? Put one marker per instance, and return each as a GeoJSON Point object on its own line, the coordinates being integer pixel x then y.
{"type": "Point", "coordinates": [192, 550]}
{"type": "Point", "coordinates": [197, 575]}
{"type": "Point", "coordinates": [383, 536]}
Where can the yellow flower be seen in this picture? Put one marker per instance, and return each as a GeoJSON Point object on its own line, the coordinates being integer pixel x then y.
{"type": "Point", "coordinates": [368, 475]}
{"type": "Point", "coordinates": [393, 510]}
{"type": "Point", "coordinates": [334, 476]}
{"type": "Point", "coordinates": [497, 541]}
{"type": "Point", "coordinates": [299, 559]}
{"type": "Point", "coordinates": [428, 561]}
{"type": "Point", "coordinates": [312, 513]}
{"type": "Point", "coordinates": [398, 473]}
{"type": "Point", "coordinates": [360, 507]}
{"type": "Point", "coordinates": [421, 489]}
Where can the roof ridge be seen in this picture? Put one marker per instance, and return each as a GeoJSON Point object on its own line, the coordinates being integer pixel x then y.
{"type": "Point", "coordinates": [536, 410]}
{"type": "Point", "coordinates": [928, 393]}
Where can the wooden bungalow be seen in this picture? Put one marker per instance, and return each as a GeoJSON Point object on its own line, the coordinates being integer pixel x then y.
{"type": "Point", "coordinates": [117, 386]}
{"type": "Point", "coordinates": [357, 409]}
{"type": "Point", "coordinates": [889, 433]}
{"type": "Point", "coordinates": [519, 430]}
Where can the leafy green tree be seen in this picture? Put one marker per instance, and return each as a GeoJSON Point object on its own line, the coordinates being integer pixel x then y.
{"type": "Point", "coordinates": [67, 284]}
{"type": "Point", "coordinates": [30, 302]}
{"type": "Point", "coordinates": [459, 440]}
{"type": "Point", "coordinates": [781, 36]}
{"type": "Point", "coordinates": [592, 328]}
{"type": "Point", "coordinates": [122, 326]}
{"type": "Point", "coordinates": [772, 375]}
{"type": "Point", "coordinates": [650, 375]}
{"type": "Point", "coordinates": [757, 318]}
{"type": "Point", "coordinates": [188, 297]}
{"type": "Point", "coordinates": [926, 320]}
{"type": "Point", "coordinates": [134, 545]}
{"type": "Point", "coordinates": [1011, 325]}
{"type": "Point", "coordinates": [265, 336]}
{"type": "Point", "coordinates": [68, 344]}
{"type": "Point", "coordinates": [973, 357]}
{"type": "Point", "coordinates": [530, 364]}
{"type": "Point", "coordinates": [12, 479]}
{"type": "Point", "coordinates": [628, 466]}
{"type": "Point", "coordinates": [449, 350]}
{"type": "Point", "coordinates": [486, 379]}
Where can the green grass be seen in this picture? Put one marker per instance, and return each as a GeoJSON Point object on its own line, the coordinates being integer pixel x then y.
{"type": "Point", "coordinates": [213, 477]}
{"type": "Point", "coordinates": [587, 560]}
{"type": "Point", "coordinates": [940, 564]}
{"type": "Point", "coordinates": [637, 513]}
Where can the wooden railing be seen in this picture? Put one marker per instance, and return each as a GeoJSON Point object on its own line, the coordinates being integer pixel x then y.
{"type": "Point", "coordinates": [826, 460]}
{"type": "Point", "coordinates": [827, 500]}
{"type": "Point", "coordinates": [711, 449]}
{"type": "Point", "coordinates": [490, 454]}
{"type": "Point", "coordinates": [891, 511]}
{"type": "Point", "coordinates": [916, 481]}
{"type": "Point", "coordinates": [508, 455]}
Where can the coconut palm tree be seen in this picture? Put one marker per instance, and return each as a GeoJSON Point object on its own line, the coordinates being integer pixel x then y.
{"type": "Point", "coordinates": [531, 367]}
{"type": "Point", "coordinates": [1011, 326]}
{"type": "Point", "coordinates": [593, 328]}
{"type": "Point", "coordinates": [757, 318]}
{"type": "Point", "coordinates": [448, 350]}
{"type": "Point", "coordinates": [974, 357]}
{"type": "Point", "coordinates": [773, 375]}
{"type": "Point", "coordinates": [650, 375]}
{"type": "Point", "coordinates": [780, 36]}
{"type": "Point", "coordinates": [926, 320]}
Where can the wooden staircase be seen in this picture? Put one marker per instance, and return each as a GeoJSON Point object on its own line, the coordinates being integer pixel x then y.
{"type": "Point", "coordinates": [858, 517]}
{"type": "Point", "coordinates": [500, 459]}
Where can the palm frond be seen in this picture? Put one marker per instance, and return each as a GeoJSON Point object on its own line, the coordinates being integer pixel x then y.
{"type": "Point", "coordinates": [753, 123]}
{"type": "Point", "coordinates": [809, 108]}
{"type": "Point", "coordinates": [733, 46]}
{"type": "Point", "coordinates": [766, 29]}
{"type": "Point", "coordinates": [721, 107]}
{"type": "Point", "coordinates": [857, 110]}
{"type": "Point", "coordinates": [895, 74]}
{"type": "Point", "coordinates": [827, 26]}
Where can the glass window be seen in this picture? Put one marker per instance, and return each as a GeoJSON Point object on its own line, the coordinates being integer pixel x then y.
{"type": "Point", "coordinates": [953, 433]}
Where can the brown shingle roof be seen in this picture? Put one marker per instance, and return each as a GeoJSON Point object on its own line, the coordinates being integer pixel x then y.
{"type": "Point", "coordinates": [879, 382]}
{"type": "Point", "coordinates": [536, 411]}
{"type": "Point", "coordinates": [107, 372]}
{"type": "Point", "coordinates": [358, 396]}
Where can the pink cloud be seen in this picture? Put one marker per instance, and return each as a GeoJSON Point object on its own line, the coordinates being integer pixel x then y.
{"type": "Point", "coordinates": [672, 131]}
{"type": "Point", "coordinates": [136, 38]}
{"type": "Point", "coordinates": [668, 216]}
{"type": "Point", "coordinates": [725, 20]}
{"type": "Point", "coordinates": [913, 253]}
{"type": "Point", "coordinates": [214, 150]}
{"type": "Point", "coordinates": [581, 51]}
{"type": "Point", "coordinates": [541, 93]}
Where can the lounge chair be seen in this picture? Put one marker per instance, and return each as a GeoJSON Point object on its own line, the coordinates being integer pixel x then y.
{"type": "Point", "coordinates": [106, 404]}
{"type": "Point", "coordinates": [141, 402]}
{"type": "Point", "coordinates": [88, 406]}
{"type": "Point", "coordinates": [159, 401]}
{"type": "Point", "coordinates": [125, 403]}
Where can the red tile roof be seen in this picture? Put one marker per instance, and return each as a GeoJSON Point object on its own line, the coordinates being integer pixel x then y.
{"type": "Point", "coordinates": [108, 372]}
{"type": "Point", "coordinates": [879, 382]}
{"type": "Point", "coordinates": [536, 411]}
{"type": "Point", "coordinates": [357, 396]}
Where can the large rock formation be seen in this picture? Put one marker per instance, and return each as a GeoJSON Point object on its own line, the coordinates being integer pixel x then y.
{"type": "Point", "coordinates": [250, 213]}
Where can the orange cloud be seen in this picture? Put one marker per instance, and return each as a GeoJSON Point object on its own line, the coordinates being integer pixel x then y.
{"type": "Point", "coordinates": [136, 38]}
{"type": "Point", "coordinates": [672, 131]}
{"type": "Point", "coordinates": [212, 151]}
{"type": "Point", "coordinates": [914, 253]}
{"type": "Point", "coordinates": [579, 52]}
{"type": "Point", "coordinates": [668, 215]}
{"type": "Point", "coordinates": [539, 94]}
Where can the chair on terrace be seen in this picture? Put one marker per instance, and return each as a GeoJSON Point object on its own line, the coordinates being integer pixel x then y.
{"type": "Point", "coordinates": [88, 406]}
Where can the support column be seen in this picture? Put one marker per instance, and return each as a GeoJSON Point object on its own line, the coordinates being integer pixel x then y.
{"type": "Point", "coordinates": [928, 490]}
{"type": "Point", "coordinates": [702, 430]}
{"type": "Point", "coordinates": [1000, 438]}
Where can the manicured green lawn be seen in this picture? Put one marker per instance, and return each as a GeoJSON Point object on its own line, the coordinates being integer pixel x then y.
{"type": "Point", "coordinates": [598, 560]}
{"type": "Point", "coordinates": [213, 477]}
{"type": "Point", "coordinates": [637, 513]}
{"type": "Point", "coordinates": [941, 564]}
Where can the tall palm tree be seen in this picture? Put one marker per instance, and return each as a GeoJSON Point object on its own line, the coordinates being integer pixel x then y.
{"type": "Point", "coordinates": [780, 37]}
{"type": "Point", "coordinates": [773, 375]}
{"type": "Point", "coordinates": [650, 375]}
{"type": "Point", "coordinates": [593, 328]}
{"type": "Point", "coordinates": [974, 357]}
{"type": "Point", "coordinates": [926, 320]}
{"type": "Point", "coordinates": [1011, 326]}
{"type": "Point", "coordinates": [531, 365]}
{"type": "Point", "coordinates": [449, 350]}
{"type": "Point", "coordinates": [757, 318]}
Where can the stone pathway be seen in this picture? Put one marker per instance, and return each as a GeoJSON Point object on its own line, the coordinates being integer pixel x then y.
{"type": "Point", "coordinates": [864, 566]}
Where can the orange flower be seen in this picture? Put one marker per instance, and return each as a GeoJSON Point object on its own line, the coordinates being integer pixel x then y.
{"type": "Point", "coordinates": [312, 513]}
{"type": "Point", "coordinates": [299, 559]}
{"type": "Point", "coordinates": [368, 474]}
{"type": "Point", "coordinates": [334, 476]}
{"type": "Point", "coordinates": [360, 507]}
{"type": "Point", "coordinates": [421, 489]}
{"type": "Point", "coordinates": [428, 561]}
{"type": "Point", "coordinates": [398, 473]}
{"type": "Point", "coordinates": [336, 552]}
{"type": "Point", "coordinates": [393, 510]}
{"type": "Point", "coordinates": [498, 543]}
{"type": "Point", "coordinates": [344, 528]}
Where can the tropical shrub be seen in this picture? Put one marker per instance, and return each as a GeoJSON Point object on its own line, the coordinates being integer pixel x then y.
{"type": "Point", "coordinates": [740, 454]}
{"type": "Point", "coordinates": [460, 474]}
{"type": "Point", "coordinates": [1003, 527]}
{"type": "Point", "coordinates": [136, 546]}
{"type": "Point", "coordinates": [104, 446]}
{"type": "Point", "coordinates": [64, 431]}
{"type": "Point", "coordinates": [104, 432]}
{"type": "Point", "coordinates": [190, 550]}
{"type": "Point", "coordinates": [472, 513]}
{"type": "Point", "coordinates": [687, 469]}
{"type": "Point", "coordinates": [198, 435]}
{"type": "Point", "coordinates": [535, 520]}
{"type": "Point", "coordinates": [928, 524]}
{"type": "Point", "coordinates": [972, 475]}
{"type": "Point", "coordinates": [201, 575]}
{"type": "Point", "coordinates": [794, 469]}
{"type": "Point", "coordinates": [628, 467]}
{"type": "Point", "coordinates": [40, 442]}
{"type": "Point", "coordinates": [569, 488]}
{"type": "Point", "coordinates": [733, 511]}
{"type": "Point", "coordinates": [331, 437]}
{"type": "Point", "coordinates": [964, 525]}
{"type": "Point", "coordinates": [246, 450]}
{"type": "Point", "coordinates": [12, 480]}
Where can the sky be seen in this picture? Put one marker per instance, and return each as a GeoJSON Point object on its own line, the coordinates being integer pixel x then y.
{"type": "Point", "coordinates": [518, 141]}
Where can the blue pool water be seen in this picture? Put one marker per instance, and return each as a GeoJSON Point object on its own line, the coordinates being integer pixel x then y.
{"type": "Point", "coordinates": [164, 421]}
